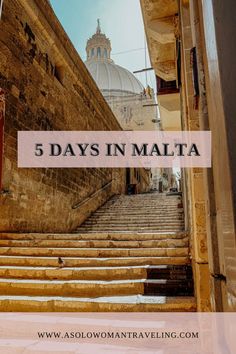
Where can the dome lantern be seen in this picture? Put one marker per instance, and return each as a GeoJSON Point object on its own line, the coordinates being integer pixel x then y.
{"type": "Point", "coordinates": [99, 46]}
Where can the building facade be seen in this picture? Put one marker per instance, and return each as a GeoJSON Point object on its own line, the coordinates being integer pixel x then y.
{"type": "Point", "coordinates": [190, 45]}
{"type": "Point", "coordinates": [44, 85]}
{"type": "Point", "coordinates": [47, 87]}
{"type": "Point", "coordinates": [133, 105]}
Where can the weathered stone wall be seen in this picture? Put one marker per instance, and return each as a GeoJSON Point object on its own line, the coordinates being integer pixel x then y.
{"type": "Point", "coordinates": [133, 112]}
{"type": "Point", "coordinates": [197, 202]}
{"type": "Point", "coordinates": [47, 87]}
{"type": "Point", "coordinates": [217, 23]}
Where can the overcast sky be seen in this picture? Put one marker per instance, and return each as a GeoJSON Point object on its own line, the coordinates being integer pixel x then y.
{"type": "Point", "coordinates": [121, 21]}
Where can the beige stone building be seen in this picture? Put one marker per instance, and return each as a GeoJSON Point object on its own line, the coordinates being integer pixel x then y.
{"type": "Point", "coordinates": [190, 45]}
{"type": "Point", "coordinates": [133, 105]}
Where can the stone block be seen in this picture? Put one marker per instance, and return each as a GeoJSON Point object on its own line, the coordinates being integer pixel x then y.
{"type": "Point", "coordinates": [202, 286]}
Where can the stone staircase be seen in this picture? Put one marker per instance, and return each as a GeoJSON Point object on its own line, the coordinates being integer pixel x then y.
{"type": "Point", "coordinates": [130, 255]}
{"type": "Point", "coordinates": [149, 212]}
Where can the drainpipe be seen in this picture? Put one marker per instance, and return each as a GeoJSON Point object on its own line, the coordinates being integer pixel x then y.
{"type": "Point", "coordinates": [1, 3]}
{"type": "Point", "coordinates": [2, 117]}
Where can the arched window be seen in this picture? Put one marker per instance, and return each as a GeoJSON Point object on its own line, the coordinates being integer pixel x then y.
{"type": "Point", "coordinates": [92, 52]}
{"type": "Point", "coordinates": [99, 52]}
{"type": "Point", "coordinates": [105, 53]}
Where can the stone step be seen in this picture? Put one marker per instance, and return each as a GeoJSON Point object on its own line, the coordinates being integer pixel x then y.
{"type": "Point", "coordinates": [149, 204]}
{"type": "Point", "coordinates": [111, 228]}
{"type": "Point", "coordinates": [171, 287]}
{"type": "Point", "coordinates": [143, 206]}
{"type": "Point", "coordinates": [119, 228]}
{"type": "Point", "coordinates": [144, 196]}
{"type": "Point", "coordinates": [119, 223]}
{"type": "Point", "coordinates": [130, 221]}
{"type": "Point", "coordinates": [91, 262]}
{"type": "Point", "coordinates": [136, 303]}
{"type": "Point", "coordinates": [141, 198]}
{"type": "Point", "coordinates": [94, 231]}
{"type": "Point", "coordinates": [137, 228]}
{"type": "Point", "coordinates": [170, 272]}
{"type": "Point", "coordinates": [139, 225]}
{"type": "Point", "coordinates": [158, 201]}
{"type": "Point", "coordinates": [140, 209]}
{"type": "Point", "coordinates": [92, 288]}
{"type": "Point", "coordinates": [95, 244]}
{"type": "Point", "coordinates": [125, 227]}
{"type": "Point", "coordinates": [118, 232]}
{"type": "Point", "coordinates": [98, 273]}
{"type": "Point", "coordinates": [136, 207]}
{"type": "Point", "coordinates": [154, 194]}
{"type": "Point", "coordinates": [98, 236]}
{"type": "Point", "coordinates": [155, 201]}
{"type": "Point", "coordinates": [94, 252]}
{"type": "Point", "coordinates": [133, 221]}
{"type": "Point", "coordinates": [145, 217]}
{"type": "Point", "coordinates": [136, 236]}
{"type": "Point", "coordinates": [142, 215]}
{"type": "Point", "coordinates": [141, 201]}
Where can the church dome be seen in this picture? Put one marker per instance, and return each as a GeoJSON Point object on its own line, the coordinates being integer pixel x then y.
{"type": "Point", "coordinates": [111, 79]}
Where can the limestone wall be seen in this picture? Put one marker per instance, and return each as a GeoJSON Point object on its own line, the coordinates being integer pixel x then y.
{"type": "Point", "coordinates": [134, 112]}
{"type": "Point", "coordinates": [217, 20]}
{"type": "Point", "coordinates": [47, 87]}
{"type": "Point", "coordinates": [197, 201]}
{"type": "Point", "coordinates": [163, 37]}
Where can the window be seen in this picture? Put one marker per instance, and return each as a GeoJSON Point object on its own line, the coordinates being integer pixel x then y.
{"type": "Point", "coordinates": [166, 87]}
{"type": "Point", "coordinates": [193, 58]}
{"type": "Point", "coordinates": [126, 114]}
{"type": "Point", "coordinates": [99, 52]}
{"type": "Point", "coordinates": [92, 52]}
{"type": "Point", "coordinates": [105, 53]}
{"type": "Point", "coordinates": [59, 73]}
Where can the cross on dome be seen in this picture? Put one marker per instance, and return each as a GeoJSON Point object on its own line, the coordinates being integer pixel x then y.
{"type": "Point", "coordinates": [98, 26]}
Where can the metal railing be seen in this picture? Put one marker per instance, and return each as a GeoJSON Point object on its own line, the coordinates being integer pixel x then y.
{"type": "Point", "coordinates": [76, 206]}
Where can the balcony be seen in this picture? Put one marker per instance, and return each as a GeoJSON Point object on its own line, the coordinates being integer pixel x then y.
{"type": "Point", "coordinates": [166, 87]}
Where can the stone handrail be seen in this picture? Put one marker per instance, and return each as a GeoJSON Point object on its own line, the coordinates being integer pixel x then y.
{"type": "Point", "coordinates": [76, 206]}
